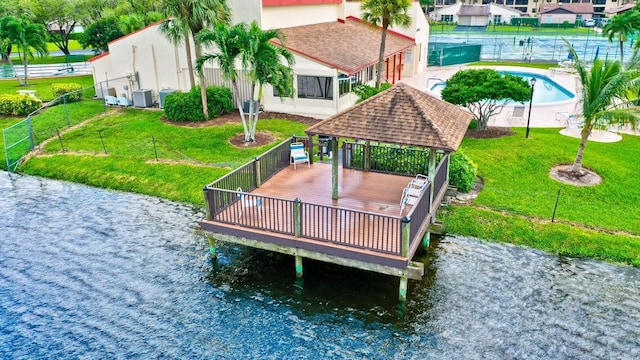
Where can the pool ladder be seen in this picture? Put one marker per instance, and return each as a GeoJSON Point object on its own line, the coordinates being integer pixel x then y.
{"type": "Point", "coordinates": [437, 81]}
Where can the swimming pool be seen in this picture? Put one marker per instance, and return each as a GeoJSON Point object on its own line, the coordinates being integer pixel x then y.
{"type": "Point", "coordinates": [545, 90]}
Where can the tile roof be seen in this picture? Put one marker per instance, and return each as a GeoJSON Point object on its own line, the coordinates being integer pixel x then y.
{"type": "Point", "coordinates": [402, 115]}
{"type": "Point", "coordinates": [349, 46]}
{"type": "Point", "coordinates": [575, 8]}
{"type": "Point", "coordinates": [621, 9]}
{"type": "Point", "coordinates": [474, 10]}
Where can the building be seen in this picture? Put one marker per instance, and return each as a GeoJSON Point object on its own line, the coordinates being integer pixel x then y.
{"type": "Point", "coordinates": [475, 15]}
{"type": "Point", "coordinates": [560, 13]}
{"type": "Point", "coordinates": [334, 50]}
{"type": "Point", "coordinates": [601, 8]}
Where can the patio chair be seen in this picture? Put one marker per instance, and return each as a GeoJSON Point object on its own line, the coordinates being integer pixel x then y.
{"type": "Point", "coordinates": [420, 181]}
{"type": "Point", "coordinates": [413, 191]}
{"type": "Point", "coordinates": [249, 201]}
{"type": "Point", "coordinates": [516, 116]}
{"type": "Point", "coordinates": [299, 155]}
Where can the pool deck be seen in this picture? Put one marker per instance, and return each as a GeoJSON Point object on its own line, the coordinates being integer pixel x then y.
{"type": "Point", "coordinates": [543, 115]}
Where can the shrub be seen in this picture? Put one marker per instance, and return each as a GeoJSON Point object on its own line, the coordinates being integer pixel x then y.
{"type": "Point", "coordinates": [18, 105]}
{"type": "Point", "coordinates": [187, 106]}
{"type": "Point", "coordinates": [462, 171]}
{"type": "Point", "coordinates": [365, 91]}
{"type": "Point", "coordinates": [73, 91]}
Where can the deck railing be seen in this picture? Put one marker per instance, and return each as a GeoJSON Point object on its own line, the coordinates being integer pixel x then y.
{"type": "Point", "coordinates": [390, 159]}
{"type": "Point", "coordinates": [351, 228]}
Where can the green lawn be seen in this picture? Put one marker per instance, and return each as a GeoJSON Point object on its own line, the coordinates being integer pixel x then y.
{"type": "Point", "coordinates": [42, 86]}
{"type": "Point", "coordinates": [518, 198]}
{"type": "Point", "coordinates": [189, 157]}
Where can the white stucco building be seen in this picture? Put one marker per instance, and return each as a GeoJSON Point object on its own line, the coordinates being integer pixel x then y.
{"type": "Point", "coordinates": [475, 15]}
{"type": "Point", "coordinates": [333, 50]}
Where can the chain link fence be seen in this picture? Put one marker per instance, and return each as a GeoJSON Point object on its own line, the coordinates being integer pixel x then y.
{"type": "Point", "coordinates": [544, 47]}
{"type": "Point", "coordinates": [47, 121]}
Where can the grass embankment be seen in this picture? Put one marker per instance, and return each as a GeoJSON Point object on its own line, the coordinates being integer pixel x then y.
{"type": "Point", "coordinates": [517, 202]}
{"type": "Point", "coordinates": [188, 158]}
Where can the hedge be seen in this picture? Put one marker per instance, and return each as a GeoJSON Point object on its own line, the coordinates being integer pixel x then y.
{"type": "Point", "coordinates": [74, 91]}
{"type": "Point", "coordinates": [18, 105]}
{"type": "Point", "coordinates": [187, 106]}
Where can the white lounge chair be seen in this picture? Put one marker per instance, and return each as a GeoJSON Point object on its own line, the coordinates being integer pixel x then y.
{"type": "Point", "coordinates": [516, 116]}
{"type": "Point", "coordinates": [299, 155]}
{"type": "Point", "coordinates": [249, 201]}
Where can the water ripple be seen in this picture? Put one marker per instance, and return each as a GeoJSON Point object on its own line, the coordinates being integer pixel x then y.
{"type": "Point", "coordinates": [88, 273]}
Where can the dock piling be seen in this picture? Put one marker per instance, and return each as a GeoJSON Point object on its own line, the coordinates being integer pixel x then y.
{"type": "Point", "coordinates": [212, 248]}
{"type": "Point", "coordinates": [298, 266]}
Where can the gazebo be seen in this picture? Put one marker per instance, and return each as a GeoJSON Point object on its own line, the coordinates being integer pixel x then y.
{"type": "Point", "coordinates": [349, 212]}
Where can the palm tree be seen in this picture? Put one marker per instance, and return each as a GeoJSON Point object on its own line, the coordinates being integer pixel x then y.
{"type": "Point", "coordinates": [190, 17]}
{"type": "Point", "coordinates": [622, 26]}
{"type": "Point", "coordinates": [386, 13]}
{"type": "Point", "coordinates": [27, 37]}
{"type": "Point", "coordinates": [260, 57]}
{"type": "Point", "coordinates": [606, 98]}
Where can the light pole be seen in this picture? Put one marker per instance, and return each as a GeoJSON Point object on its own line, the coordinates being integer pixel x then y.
{"type": "Point", "coordinates": [533, 83]}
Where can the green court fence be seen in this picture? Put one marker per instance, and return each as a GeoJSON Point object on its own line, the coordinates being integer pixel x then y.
{"type": "Point", "coordinates": [443, 54]}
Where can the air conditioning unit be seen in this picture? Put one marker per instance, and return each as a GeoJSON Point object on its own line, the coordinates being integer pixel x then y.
{"type": "Point", "coordinates": [162, 94]}
{"type": "Point", "coordinates": [142, 98]}
{"type": "Point", "coordinates": [101, 92]}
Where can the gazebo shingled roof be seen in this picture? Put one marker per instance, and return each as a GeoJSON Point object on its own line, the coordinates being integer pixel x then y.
{"type": "Point", "coordinates": [401, 115]}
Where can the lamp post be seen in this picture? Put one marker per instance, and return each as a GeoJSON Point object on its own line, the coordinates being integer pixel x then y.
{"type": "Point", "coordinates": [533, 83]}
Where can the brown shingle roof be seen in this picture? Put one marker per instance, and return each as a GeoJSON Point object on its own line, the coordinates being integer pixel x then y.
{"type": "Point", "coordinates": [401, 115]}
{"type": "Point", "coordinates": [350, 46]}
{"type": "Point", "coordinates": [621, 9]}
{"type": "Point", "coordinates": [575, 8]}
{"type": "Point", "coordinates": [474, 10]}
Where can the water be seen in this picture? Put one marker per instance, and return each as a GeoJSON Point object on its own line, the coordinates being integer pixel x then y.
{"type": "Point", "coordinates": [546, 91]}
{"type": "Point", "coordinates": [89, 273]}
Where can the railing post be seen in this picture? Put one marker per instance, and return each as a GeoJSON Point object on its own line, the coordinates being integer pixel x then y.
{"type": "Point", "coordinates": [334, 170]}
{"type": "Point", "coordinates": [257, 178]}
{"type": "Point", "coordinates": [406, 236]}
{"type": "Point", "coordinates": [297, 218]}
{"type": "Point", "coordinates": [432, 175]}
{"type": "Point", "coordinates": [311, 152]}
{"type": "Point", "coordinates": [207, 208]}
{"type": "Point", "coordinates": [367, 156]}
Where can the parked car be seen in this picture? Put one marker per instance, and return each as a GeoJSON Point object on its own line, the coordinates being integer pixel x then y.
{"type": "Point", "coordinates": [588, 23]}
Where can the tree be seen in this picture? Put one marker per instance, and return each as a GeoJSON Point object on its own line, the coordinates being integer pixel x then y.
{"type": "Point", "coordinates": [621, 26]}
{"type": "Point", "coordinates": [427, 6]}
{"type": "Point", "coordinates": [385, 13]}
{"type": "Point", "coordinates": [27, 37]}
{"type": "Point", "coordinates": [190, 17]}
{"type": "Point", "coordinates": [484, 92]}
{"type": "Point", "coordinates": [259, 56]}
{"type": "Point", "coordinates": [59, 18]}
{"type": "Point", "coordinates": [605, 98]}
{"type": "Point", "coordinates": [100, 33]}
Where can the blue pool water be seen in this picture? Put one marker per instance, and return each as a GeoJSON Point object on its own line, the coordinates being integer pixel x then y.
{"type": "Point", "coordinates": [545, 91]}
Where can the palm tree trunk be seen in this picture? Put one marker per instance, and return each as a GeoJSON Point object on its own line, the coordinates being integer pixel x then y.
{"type": "Point", "coordinates": [621, 52]}
{"type": "Point", "coordinates": [187, 46]}
{"type": "Point", "coordinates": [381, 69]}
{"type": "Point", "coordinates": [234, 83]}
{"type": "Point", "coordinates": [577, 164]}
{"type": "Point", "coordinates": [248, 136]}
{"type": "Point", "coordinates": [203, 86]}
{"type": "Point", "coordinates": [26, 68]}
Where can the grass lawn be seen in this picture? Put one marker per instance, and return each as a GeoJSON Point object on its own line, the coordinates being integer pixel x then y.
{"type": "Point", "coordinates": [189, 158]}
{"type": "Point", "coordinates": [517, 201]}
{"type": "Point", "coordinates": [42, 86]}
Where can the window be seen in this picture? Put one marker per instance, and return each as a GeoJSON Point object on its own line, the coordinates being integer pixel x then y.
{"type": "Point", "coordinates": [315, 87]}
{"type": "Point", "coordinates": [446, 18]}
{"type": "Point", "coordinates": [344, 84]}
{"type": "Point", "coordinates": [497, 19]}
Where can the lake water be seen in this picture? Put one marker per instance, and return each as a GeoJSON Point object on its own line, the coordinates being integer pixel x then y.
{"type": "Point", "coordinates": [90, 273]}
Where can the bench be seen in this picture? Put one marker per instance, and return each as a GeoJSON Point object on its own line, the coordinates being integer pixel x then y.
{"type": "Point", "coordinates": [31, 93]}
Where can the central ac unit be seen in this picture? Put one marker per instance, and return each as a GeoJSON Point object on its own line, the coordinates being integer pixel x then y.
{"type": "Point", "coordinates": [162, 94]}
{"type": "Point", "coordinates": [142, 98]}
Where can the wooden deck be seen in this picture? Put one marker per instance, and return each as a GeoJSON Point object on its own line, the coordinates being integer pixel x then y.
{"type": "Point", "coordinates": [358, 190]}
